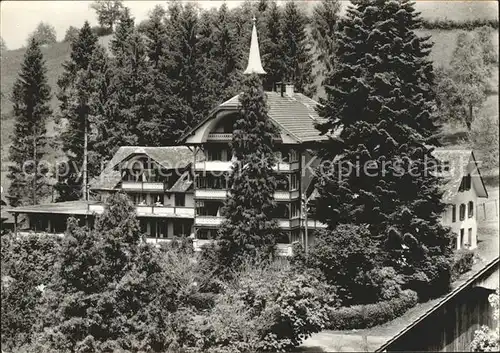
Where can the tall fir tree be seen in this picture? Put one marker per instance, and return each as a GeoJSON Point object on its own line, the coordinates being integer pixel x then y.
{"type": "Point", "coordinates": [272, 53]}
{"type": "Point", "coordinates": [30, 98]}
{"type": "Point", "coordinates": [297, 56]}
{"type": "Point", "coordinates": [191, 75]}
{"type": "Point", "coordinates": [74, 111]}
{"type": "Point", "coordinates": [324, 20]}
{"type": "Point", "coordinates": [380, 93]}
{"type": "Point", "coordinates": [227, 54]}
{"type": "Point", "coordinates": [249, 229]}
{"type": "Point", "coordinates": [128, 108]}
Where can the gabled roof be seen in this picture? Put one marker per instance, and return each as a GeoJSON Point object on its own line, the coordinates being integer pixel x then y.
{"type": "Point", "coordinates": [295, 115]}
{"type": "Point", "coordinates": [182, 184]}
{"type": "Point", "coordinates": [171, 157]}
{"type": "Point", "coordinates": [458, 160]}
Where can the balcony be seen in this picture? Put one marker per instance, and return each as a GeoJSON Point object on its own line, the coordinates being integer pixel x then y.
{"type": "Point", "coordinates": [142, 186]}
{"type": "Point", "coordinates": [224, 137]}
{"type": "Point", "coordinates": [213, 166]}
{"type": "Point", "coordinates": [154, 211]}
{"type": "Point", "coordinates": [288, 223]}
{"type": "Point", "coordinates": [313, 224]}
{"type": "Point", "coordinates": [217, 194]}
{"type": "Point", "coordinates": [286, 195]}
{"type": "Point", "coordinates": [223, 166]}
{"type": "Point", "coordinates": [208, 221]}
{"type": "Point", "coordinates": [283, 250]}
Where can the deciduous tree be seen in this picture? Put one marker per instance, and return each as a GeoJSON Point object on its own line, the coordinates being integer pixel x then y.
{"type": "Point", "coordinates": [108, 12]}
{"type": "Point", "coordinates": [43, 34]}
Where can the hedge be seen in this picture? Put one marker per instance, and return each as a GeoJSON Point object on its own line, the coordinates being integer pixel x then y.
{"type": "Point", "coordinates": [369, 315]}
{"type": "Point", "coordinates": [447, 24]}
{"type": "Point", "coordinates": [462, 262]}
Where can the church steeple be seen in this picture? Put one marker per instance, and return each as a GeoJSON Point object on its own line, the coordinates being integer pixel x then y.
{"type": "Point", "coordinates": [254, 63]}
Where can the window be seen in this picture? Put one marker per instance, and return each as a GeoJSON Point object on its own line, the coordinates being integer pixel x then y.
{"type": "Point", "coordinates": [208, 208]}
{"type": "Point", "coordinates": [295, 209]}
{"type": "Point", "coordinates": [465, 185]}
{"type": "Point", "coordinates": [462, 234]}
{"type": "Point", "coordinates": [295, 180]}
{"type": "Point", "coordinates": [454, 213]}
{"type": "Point", "coordinates": [462, 212]}
{"type": "Point", "coordinates": [471, 209]}
{"type": "Point", "coordinates": [181, 228]}
{"type": "Point", "coordinates": [294, 156]}
{"type": "Point", "coordinates": [469, 238]}
{"type": "Point", "coordinates": [180, 200]}
{"type": "Point", "coordinates": [214, 154]}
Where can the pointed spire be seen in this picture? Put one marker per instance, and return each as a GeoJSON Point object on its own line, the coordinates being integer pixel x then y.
{"type": "Point", "coordinates": [254, 63]}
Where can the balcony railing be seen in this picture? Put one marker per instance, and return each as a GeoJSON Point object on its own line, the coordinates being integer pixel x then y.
{"type": "Point", "coordinates": [208, 220]}
{"type": "Point", "coordinates": [154, 211]}
{"type": "Point", "coordinates": [286, 195]}
{"type": "Point", "coordinates": [225, 166]}
{"type": "Point", "coordinates": [211, 193]}
{"type": "Point", "coordinates": [283, 250]}
{"type": "Point", "coordinates": [313, 224]}
{"type": "Point", "coordinates": [215, 136]}
{"type": "Point", "coordinates": [288, 223]}
{"type": "Point", "coordinates": [142, 186]}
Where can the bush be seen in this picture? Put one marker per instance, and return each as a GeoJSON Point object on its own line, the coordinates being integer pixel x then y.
{"type": "Point", "coordinates": [447, 24]}
{"type": "Point", "coordinates": [369, 315]}
{"type": "Point", "coordinates": [462, 262]}
{"type": "Point", "coordinates": [385, 283]}
{"type": "Point", "coordinates": [344, 256]}
{"type": "Point", "coordinates": [265, 308]}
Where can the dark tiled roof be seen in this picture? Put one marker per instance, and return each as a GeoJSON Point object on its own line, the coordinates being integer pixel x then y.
{"type": "Point", "coordinates": [171, 157]}
{"type": "Point", "coordinates": [295, 115]}
{"type": "Point", "coordinates": [182, 184]}
{"type": "Point", "coordinates": [68, 207]}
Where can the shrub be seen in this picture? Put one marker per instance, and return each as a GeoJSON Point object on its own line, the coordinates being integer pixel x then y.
{"type": "Point", "coordinates": [369, 315]}
{"type": "Point", "coordinates": [385, 283]}
{"type": "Point", "coordinates": [462, 262]}
{"type": "Point", "coordinates": [344, 256]}
{"type": "Point", "coordinates": [265, 308]}
{"type": "Point", "coordinates": [469, 25]}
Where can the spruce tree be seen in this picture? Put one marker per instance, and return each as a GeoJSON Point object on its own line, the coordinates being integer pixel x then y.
{"type": "Point", "coordinates": [131, 88]}
{"type": "Point", "coordinates": [249, 229]}
{"type": "Point", "coordinates": [226, 54]}
{"type": "Point", "coordinates": [324, 19]}
{"type": "Point", "coordinates": [73, 99]}
{"type": "Point", "coordinates": [297, 57]}
{"type": "Point", "coordinates": [272, 53]}
{"type": "Point", "coordinates": [191, 76]}
{"type": "Point", "coordinates": [30, 98]}
{"type": "Point", "coordinates": [380, 93]}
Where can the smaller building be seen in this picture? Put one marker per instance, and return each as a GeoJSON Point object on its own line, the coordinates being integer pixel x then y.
{"type": "Point", "coordinates": [462, 186]}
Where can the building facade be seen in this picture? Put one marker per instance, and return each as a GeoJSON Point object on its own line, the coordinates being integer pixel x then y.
{"type": "Point", "coordinates": [462, 188]}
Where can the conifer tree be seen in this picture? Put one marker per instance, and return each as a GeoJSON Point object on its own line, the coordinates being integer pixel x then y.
{"type": "Point", "coordinates": [226, 54]}
{"type": "Point", "coordinates": [297, 57]}
{"type": "Point", "coordinates": [324, 19]}
{"type": "Point", "coordinates": [131, 87]}
{"type": "Point", "coordinates": [192, 77]}
{"type": "Point", "coordinates": [381, 93]}
{"type": "Point", "coordinates": [156, 33]}
{"type": "Point", "coordinates": [249, 229]}
{"type": "Point", "coordinates": [272, 53]}
{"type": "Point", "coordinates": [30, 98]}
{"type": "Point", "coordinates": [73, 97]}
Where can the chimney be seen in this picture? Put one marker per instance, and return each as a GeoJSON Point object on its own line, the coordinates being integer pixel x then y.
{"type": "Point", "coordinates": [254, 63]}
{"type": "Point", "coordinates": [289, 90]}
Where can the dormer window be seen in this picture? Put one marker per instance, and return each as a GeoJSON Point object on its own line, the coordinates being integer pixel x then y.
{"type": "Point", "coordinates": [465, 185]}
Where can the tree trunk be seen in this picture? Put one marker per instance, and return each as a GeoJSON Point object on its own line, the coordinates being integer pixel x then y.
{"type": "Point", "coordinates": [468, 122]}
{"type": "Point", "coordinates": [85, 157]}
{"type": "Point", "coordinates": [35, 165]}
